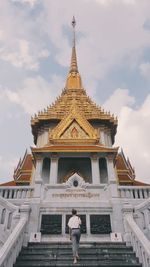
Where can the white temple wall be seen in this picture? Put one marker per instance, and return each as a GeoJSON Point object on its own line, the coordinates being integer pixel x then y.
{"type": "Point", "coordinates": [42, 138]}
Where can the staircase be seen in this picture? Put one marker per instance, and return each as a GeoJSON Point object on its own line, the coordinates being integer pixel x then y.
{"type": "Point", "coordinates": [102, 254]}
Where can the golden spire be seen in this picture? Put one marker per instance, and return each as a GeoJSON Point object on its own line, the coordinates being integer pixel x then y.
{"type": "Point", "coordinates": [73, 66]}
{"type": "Point", "coordinates": [74, 79]}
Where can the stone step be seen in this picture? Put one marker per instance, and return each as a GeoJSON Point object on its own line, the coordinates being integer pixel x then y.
{"type": "Point", "coordinates": [85, 264]}
{"type": "Point", "coordinates": [82, 257]}
{"type": "Point", "coordinates": [94, 245]}
{"type": "Point", "coordinates": [91, 255]}
{"type": "Point", "coordinates": [81, 247]}
{"type": "Point", "coordinates": [82, 253]}
{"type": "Point", "coordinates": [81, 243]}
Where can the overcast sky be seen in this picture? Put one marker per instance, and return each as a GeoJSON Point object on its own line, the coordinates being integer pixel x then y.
{"type": "Point", "coordinates": [113, 50]}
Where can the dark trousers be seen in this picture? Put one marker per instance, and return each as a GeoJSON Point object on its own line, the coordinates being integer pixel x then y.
{"type": "Point", "coordinates": [75, 237]}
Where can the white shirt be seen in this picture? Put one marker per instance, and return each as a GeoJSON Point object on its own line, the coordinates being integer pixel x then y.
{"type": "Point", "coordinates": [74, 222]}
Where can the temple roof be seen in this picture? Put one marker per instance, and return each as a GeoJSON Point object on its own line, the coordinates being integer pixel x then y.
{"type": "Point", "coordinates": [73, 91]}
{"type": "Point", "coordinates": [23, 171]}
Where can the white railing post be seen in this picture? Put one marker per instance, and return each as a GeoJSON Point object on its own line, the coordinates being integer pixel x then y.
{"type": "Point", "coordinates": [127, 210]}
{"type": "Point", "coordinates": [24, 213]}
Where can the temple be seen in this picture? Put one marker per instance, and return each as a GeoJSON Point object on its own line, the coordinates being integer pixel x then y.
{"type": "Point", "coordinates": [74, 164]}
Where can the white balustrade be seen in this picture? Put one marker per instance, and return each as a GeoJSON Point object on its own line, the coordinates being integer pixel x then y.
{"type": "Point", "coordinates": [10, 250]}
{"type": "Point", "coordinates": [142, 215]}
{"type": "Point", "coordinates": [134, 192]}
{"type": "Point", "coordinates": [8, 218]}
{"type": "Point", "coordinates": [141, 245]}
{"type": "Point", "coordinates": [16, 192]}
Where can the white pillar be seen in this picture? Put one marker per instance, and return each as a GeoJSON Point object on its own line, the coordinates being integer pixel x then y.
{"type": "Point", "coordinates": [38, 178]}
{"type": "Point", "coordinates": [95, 169]}
{"type": "Point", "coordinates": [111, 168]}
{"type": "Point", "coordinates": [38, 170]}
{"type": "Point", "coordinates": [112, 176]}
{"type": "Point", "coordinates": [102, 136]}
{"type": "Point", "coordinates": [53, 169]}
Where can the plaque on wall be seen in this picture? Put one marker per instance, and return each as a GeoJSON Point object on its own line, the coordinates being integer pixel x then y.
{"type": "Point", "coordinates": [51, 224]}
{"type": "Point", "coordinates": [83, 226]}
{"type": "Point", "coordinates": [100, 224]}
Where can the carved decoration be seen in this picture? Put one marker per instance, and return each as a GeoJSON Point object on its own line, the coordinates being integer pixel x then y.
{"type": "Point", "coordinates": [76, 181]}
{"type": "Point", "coordinates": [74, 132]}
{"type": "Point", "coordinates": [74, 127]}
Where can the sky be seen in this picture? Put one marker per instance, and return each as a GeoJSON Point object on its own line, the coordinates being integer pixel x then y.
{"type": "Point", "coordinates": [113, 51]}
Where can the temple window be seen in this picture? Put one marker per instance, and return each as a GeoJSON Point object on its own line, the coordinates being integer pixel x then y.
{"type": "Point", "coordinates": [103, 170]}
{"type": "Point", "coordinates": [46, 170]}
{"type": "Point", "coordinates": [69, 166]}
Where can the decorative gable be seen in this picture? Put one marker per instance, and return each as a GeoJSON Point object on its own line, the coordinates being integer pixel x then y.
{"type": "Point", "coordinates": [75, 128]}
{"type": "Point", "coordinates": [74, 131]}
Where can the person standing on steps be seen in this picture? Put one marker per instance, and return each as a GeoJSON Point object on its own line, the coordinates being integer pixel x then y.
{"type": "Point", "coordinates": [74, 224]}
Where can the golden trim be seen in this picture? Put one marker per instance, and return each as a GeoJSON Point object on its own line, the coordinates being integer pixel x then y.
{"type": "Point", "coordinates": [74, 115]}
{"type": "Point", "coordinates": [73, 149]}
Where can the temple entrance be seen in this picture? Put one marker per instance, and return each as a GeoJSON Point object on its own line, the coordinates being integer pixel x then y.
{"type": "Point", "coordinates": [69, 166]}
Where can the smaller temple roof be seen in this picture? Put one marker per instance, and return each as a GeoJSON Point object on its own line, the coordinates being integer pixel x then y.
{"type": "Point", "coordinates": [125, 171]}
{"type": "Point", "coordinates": [23, 171]}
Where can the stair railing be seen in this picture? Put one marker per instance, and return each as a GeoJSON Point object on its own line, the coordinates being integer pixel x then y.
{"type": "Point", "coordinates": [10, 250]}
{"type": "Point", "coordinates": [18, 237]}
{"type": "Point", "coordinates": [141, 245]}
{"type": "Point", "coordinates": [142, 216]}
{"type": "Point", "coordinates": [8, 218]}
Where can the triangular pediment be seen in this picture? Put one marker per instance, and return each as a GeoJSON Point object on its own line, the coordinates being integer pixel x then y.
{"type": "Point", "coordinates": [74, 127]}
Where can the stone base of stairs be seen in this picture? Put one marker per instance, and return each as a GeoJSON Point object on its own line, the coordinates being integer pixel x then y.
{"type": "Point", "coordinates": [92, 254]}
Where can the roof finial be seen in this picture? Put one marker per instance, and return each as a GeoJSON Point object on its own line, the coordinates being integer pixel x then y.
{"type": "Point", "coordinates": [73, 67]}
{"type": "Point", "coordinates": [73, 25]}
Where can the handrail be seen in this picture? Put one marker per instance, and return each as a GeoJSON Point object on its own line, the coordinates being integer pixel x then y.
{"type": "Point", "coordinates": [134, 187]}
{"type": "Point", "coordinates": [11, 248]}
{"type": "Point", "coordinates": [16, 192]}
{"type": "Point", "coordinates": [134, 192]}
{"type": "Point", "coordinates": [140, 243]}
{"type": "Point", "coordinates": [143, 205]}
{"type": "Point", "coordinates": [17, 187]}
{"type": "Point", "coordinates": [5, 203]}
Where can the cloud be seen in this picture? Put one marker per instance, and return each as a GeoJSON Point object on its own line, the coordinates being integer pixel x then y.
{"type": "Point", "coordinates": [7, 167]}
{"type": "Point", "coordinates": [133, 130]}
{"type": "Point", "coordinates": [145, 70]}
{"type": "Point", "coordinates": [35, 94]}
{"type": "Point", "coordinates": [21, 43]}
{"type": "Point", "coordinates": [24, 55]}
{"type": "Point", "coordinates": [118, 100]}
{"type": "Point", "coordinates": [30, 2]}
{"type": "Point", "coordinates": [109, 33]}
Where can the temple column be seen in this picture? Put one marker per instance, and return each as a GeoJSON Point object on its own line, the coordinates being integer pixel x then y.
{"type": "Point", "coordinates": [53, 169]}
{"type": "Point", "coordinates": [38, 170]}
{"type": "Point", "coordinates": [38, 178]}
{"type": "Point", "coordinates": [95, 169]}
{"type": "Point", "coordinates": [112, 176]}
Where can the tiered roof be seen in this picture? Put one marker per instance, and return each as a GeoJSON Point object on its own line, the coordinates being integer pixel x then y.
{"type": "Point", "coordinates": [73, 91]}
{"type": "Point", "coordinates": [23, 171]}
